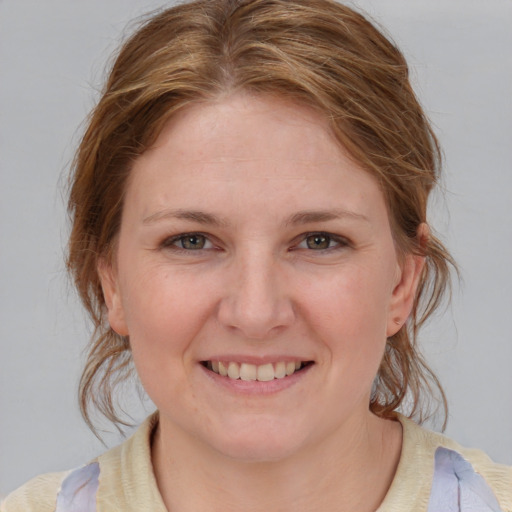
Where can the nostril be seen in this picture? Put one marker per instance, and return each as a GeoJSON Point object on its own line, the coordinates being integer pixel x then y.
{"type": "Point", "coordinates": [255, 319]}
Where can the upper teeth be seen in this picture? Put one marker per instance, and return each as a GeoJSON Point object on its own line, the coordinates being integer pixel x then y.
{"type": "Point", "coordinates": [246, 371]}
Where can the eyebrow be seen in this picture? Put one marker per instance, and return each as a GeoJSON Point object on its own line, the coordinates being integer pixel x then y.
{"type": "Point", "coordinates": [192, 215]}
{"type": "Point", "coordinates": [310, 216]}
{"type": "Point", "coordinates": [299, 218]}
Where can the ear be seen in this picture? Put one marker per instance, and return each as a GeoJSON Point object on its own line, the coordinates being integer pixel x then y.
{"type": "Point", "coordinates": [112, 295]}
{"type": "Point", "coordinates": [404, 293]}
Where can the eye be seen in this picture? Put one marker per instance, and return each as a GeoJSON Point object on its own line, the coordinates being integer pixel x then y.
{"type": "Point", "coordinates": [192, 242]}
{"type": "Point", "coordinates": [318, 241]}
{"type": "Point", "coordinates": [189, 242]}
{"type": "Point", "coordinates": [321, 242]}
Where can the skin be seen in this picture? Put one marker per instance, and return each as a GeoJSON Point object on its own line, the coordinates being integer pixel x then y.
{"type": "Point", "coordinates": [243, 176]}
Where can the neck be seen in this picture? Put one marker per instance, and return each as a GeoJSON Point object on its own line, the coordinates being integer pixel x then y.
{"type": "Point", "coordinates": [350, 470]}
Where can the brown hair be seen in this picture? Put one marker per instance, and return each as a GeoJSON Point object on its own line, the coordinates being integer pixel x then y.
{"type": "Point", "coordinates": [315, 52]}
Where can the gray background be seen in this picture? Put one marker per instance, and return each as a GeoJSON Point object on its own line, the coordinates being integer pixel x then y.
{"type": "Point", "coordinates": [52, 56]}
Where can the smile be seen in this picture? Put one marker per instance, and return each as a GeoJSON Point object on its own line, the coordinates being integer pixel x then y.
{"type": "Point", "coordinates": [262, 373]}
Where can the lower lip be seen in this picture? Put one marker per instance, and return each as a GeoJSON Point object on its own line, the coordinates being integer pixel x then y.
{"type": "Point", "coordinates": [255, 387]}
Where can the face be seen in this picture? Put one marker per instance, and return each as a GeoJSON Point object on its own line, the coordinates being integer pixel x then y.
{"type": "Point", "coordinates": [256, 277]}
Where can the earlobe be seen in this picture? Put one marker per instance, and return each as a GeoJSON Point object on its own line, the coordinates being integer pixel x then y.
{"type": "Point", "coordinates": [404, 293]}
{"type": "Point", "coordinates": [112, 296]}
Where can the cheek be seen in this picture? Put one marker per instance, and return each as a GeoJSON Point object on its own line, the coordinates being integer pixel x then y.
{"type": "Point", "coordinates": [164, 313]}
{"type": "Point", "coordinates": [163, 320]}
{"type": "Point", "coordinates": [348, 312]}
{"type": "Point", "coordinates": [354, 301]}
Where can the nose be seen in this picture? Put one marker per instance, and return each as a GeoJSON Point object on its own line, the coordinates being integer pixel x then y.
{"type": "Point", "coordinates": [255, 300]}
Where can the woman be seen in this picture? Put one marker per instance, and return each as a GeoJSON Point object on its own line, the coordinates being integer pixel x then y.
{"type": "Point", "coordinates": [249, 227]}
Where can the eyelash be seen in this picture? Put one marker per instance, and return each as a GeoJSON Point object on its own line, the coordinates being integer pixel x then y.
{"type": "Point", "coordinates": [341, 242]}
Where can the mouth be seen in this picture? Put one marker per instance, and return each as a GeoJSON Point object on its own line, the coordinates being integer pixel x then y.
{"type": "Point", "coordinates": [262, 373]}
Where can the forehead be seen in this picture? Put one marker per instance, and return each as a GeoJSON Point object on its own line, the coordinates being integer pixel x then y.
{"type": "Point", "coordinates": [246, 127]}
{"type": "Point", "coordinates": [263, 148]}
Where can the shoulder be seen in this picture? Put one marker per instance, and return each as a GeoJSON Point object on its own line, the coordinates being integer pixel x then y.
{"type": "Point", "coordinates": [57, 492]}
{"type": "Point", "coordinates": [37, 495]}
{"type": "Point", "coordinates": [472, 471]}
{"type": "Point", "coordinates": [120, 479]}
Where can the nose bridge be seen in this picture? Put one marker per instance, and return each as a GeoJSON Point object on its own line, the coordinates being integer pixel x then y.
{"type": "Point", "coordinates": [255, 301]}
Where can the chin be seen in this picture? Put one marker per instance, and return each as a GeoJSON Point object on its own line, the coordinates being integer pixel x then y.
{"type": "Point", "coordinates": [264, 442]}
{"type": "Point", "coordinates": [251, 452]}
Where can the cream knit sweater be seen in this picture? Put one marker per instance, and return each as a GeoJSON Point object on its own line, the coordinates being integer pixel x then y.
{"type": "Point", "coordinates": [127, 482]}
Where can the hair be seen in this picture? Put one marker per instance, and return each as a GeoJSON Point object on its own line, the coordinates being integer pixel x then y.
{"type": "Point", "coordinates": [317, 53]}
